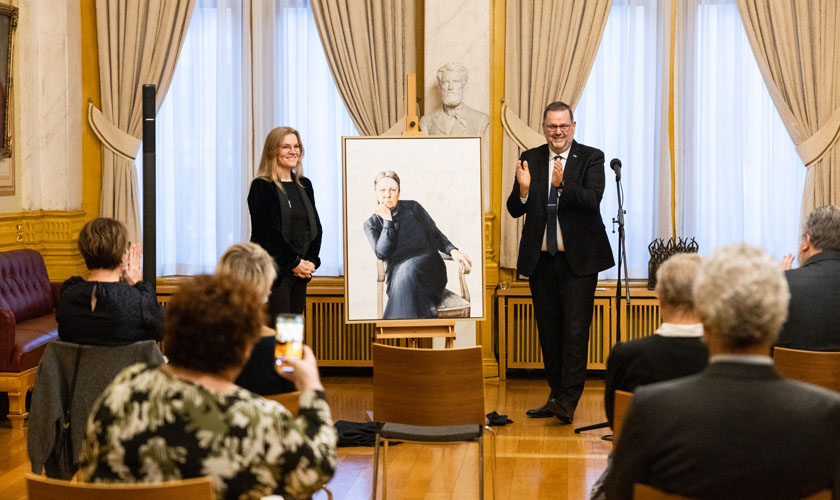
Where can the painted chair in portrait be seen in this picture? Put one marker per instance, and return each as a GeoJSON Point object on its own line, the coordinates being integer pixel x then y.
{"type": "Point", "coordinates": [451, 305]}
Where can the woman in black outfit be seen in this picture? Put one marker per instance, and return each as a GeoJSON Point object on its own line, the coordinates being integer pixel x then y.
{"type": "Point", "coordinates": [284, 220]}
{"type": "Point", "coordinates": [112, 306]}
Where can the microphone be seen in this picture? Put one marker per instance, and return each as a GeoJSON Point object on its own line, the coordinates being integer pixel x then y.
{"type": "Point", "coordinates": [615, 165]}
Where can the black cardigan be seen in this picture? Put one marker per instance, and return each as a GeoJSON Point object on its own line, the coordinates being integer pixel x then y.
{"type": "Point", "coordinates": [268, 212]}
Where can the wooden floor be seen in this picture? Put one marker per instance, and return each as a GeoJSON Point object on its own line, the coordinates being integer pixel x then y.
{"type": "Point", "coordinates": [536, 458]}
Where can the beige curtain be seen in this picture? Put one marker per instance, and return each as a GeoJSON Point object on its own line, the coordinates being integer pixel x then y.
{"type": "Point", "coordinates": [138, 44]}
{"type": "Point", "coordinates": [797, 46]}
{"type": "Point", "coordinates": [550, 46]}
{"type": "Point", "coordinates": [370, 48]}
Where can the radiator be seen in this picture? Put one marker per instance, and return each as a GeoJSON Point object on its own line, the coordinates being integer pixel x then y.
{"type": "Point", "coordinates": [524, 345]}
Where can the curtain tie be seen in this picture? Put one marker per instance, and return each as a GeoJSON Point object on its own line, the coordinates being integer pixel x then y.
{"type": "Point", "coordinates": [524, 136]}
{"type": "Point", "coordinates": [120, 143]}
{"type": "Point", "coordinates": [814, 147]}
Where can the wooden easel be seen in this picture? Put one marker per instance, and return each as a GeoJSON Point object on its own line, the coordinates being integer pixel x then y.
{"type": "Point", "coordinates": [419, 329]}
{"type": "Point", "coordinates": [427, 328]}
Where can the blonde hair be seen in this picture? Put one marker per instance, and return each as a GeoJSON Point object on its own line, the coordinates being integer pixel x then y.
{"type": "Point", "coordinates": [249, 262]}
{"type": "Point", "coordinates": [741, 296]}
{"type": "Point", "coordinates": [271, 149]}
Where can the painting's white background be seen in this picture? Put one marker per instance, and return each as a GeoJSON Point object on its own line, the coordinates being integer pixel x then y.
{"type": "Point", "coordinates": [443, 175]}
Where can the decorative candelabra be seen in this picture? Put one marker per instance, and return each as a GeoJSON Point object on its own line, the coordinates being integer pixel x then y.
{"type": "Point", "coordinates": [661, 249]}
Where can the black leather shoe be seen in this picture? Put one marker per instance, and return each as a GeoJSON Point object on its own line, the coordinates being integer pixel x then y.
{"type": "Point", "coordinates": [560, 410]}
{"type": "Point", "coordinates": [541, 412]}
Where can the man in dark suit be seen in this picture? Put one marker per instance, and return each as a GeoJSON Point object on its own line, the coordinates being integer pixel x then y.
{"type": "Point", "coordinates": [737, 430]}
{"type": "Point", "coordinates": [563, 247]}
{"type": "Point", "coordinates": [675, 350]}
{"type": "Point", "coordinates": [813, 321]}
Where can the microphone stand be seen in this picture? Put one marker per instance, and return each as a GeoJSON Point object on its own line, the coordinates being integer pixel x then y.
{"type": "Point", "coordinates": [622, 258]}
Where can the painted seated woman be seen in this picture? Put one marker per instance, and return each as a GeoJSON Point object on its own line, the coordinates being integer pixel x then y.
{"type": "Point", "coordinates": [404, 236]}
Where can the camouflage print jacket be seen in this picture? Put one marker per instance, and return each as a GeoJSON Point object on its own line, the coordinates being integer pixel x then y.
{"type": "Point", "coordinates": [150, 426]}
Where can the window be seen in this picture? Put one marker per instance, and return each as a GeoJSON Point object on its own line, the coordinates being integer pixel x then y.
{"type": "Point", "coordinates": [234, 82]}
{"type": "Point", "coordinates": [738, 177]}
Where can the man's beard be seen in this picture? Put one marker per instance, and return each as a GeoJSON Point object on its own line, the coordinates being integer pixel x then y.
{"type": "Point", "coordinates": [451, 98]}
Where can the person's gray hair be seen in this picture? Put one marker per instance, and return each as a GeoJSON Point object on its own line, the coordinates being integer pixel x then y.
{"type": "Point", "coordinates": [249, 262]}
{"type": "Point", "coordinates": [675, 281]}
{"type": "Point", "coordinates": [454, 67]}
{"type": "Point", "coordinates": [386, 174]}
{"type": "Point", "coordinates": [741, 296]}
{"type": "Point", "coordinates": [823, 227]}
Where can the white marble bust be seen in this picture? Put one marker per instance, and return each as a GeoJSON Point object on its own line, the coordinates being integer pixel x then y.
{"type": "Point", "coordinates": [455, 117]}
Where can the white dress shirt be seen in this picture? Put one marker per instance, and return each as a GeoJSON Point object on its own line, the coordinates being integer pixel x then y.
{"type": "Point", "coordinates": [565, 154]}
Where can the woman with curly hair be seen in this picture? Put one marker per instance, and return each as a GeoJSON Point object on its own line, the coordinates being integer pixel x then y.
{"type": "Point", "coordinates": [188, 419]}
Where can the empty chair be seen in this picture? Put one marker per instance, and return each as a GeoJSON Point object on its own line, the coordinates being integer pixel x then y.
{"type": "Point", "coordinates": [815, 367]}
{"type": "Point", "coordinates": [42, 488]}
{"type": "Point", "coordinates": [428, 396]}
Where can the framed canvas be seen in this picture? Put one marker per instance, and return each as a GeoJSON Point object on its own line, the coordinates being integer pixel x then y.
{"type": "Point", "coordinates": [413, 226]}
{"type": "Point", "coordinates": [8, 22]}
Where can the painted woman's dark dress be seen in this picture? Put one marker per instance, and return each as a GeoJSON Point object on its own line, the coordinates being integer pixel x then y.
{"type": "Point", "coordinates": [415, 275]}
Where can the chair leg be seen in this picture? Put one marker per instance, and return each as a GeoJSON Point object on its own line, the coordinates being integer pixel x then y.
{"type": "Point", "coordinates": [375, 466]}
{"type": "Point", "coordinates": [481, 467]}
{"type": "Point", "coordinates": [493, 454]}
{"type": "Point", "coordinates": [385, 470]}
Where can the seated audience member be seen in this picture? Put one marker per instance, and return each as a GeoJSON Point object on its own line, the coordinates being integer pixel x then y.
{"type": "Point", "coordinates": [675, 350]}
{"type": "Point", "coordinates": [188, 419]}
{"type": "Point", "coordinates": [112, 306]}
{"type": "Point", "coordinates": [250, 262]}
{"type": "Point", "coordinates": [813, 321]}
{"type": "Point", "coordinates": [737, 430]}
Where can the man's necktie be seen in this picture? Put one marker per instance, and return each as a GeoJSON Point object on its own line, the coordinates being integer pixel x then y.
{"type": "Point", "coordinates": [551, 217]}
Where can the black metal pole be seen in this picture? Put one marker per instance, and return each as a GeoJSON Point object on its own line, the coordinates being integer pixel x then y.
{"type": "Point", "coordinates": [622, 259]}
{"type": "Point", "coordinates": [149, 186]}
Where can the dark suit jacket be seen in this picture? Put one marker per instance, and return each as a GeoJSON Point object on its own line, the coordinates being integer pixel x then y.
{"type": "Point", "coordinates": [813, 321]}
{"type": "Point", "coordinates": [649, 360]}
{"type": "Point", "coordinates": [270, 222]}
{"type": "Point", "coordinates": [734, 431]}
{"type": "Point", "coordinates": [578, 210]}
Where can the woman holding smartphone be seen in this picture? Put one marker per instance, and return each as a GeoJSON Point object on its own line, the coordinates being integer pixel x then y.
{"type": "Point", "coordinates": [284, 220]}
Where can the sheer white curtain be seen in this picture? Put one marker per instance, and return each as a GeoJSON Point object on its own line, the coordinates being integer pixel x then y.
{"type": "Point", "coordinates": [293, 86]}
{"type": "Point", "coordinates": [200, 138]}
{"type": "Point", "coordinates": [211, 127]}
{"type": "Point", "coordinates": [741, 177]}
{"type": "Point", "coordinates": [620, 113]}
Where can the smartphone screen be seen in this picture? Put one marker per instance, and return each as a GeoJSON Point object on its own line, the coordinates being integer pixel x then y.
{"type": "Point", "coordinates": [288, 339]}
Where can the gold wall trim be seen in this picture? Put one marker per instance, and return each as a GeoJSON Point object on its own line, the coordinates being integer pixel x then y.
{"type": "Point", "coordinates": [51, 232]}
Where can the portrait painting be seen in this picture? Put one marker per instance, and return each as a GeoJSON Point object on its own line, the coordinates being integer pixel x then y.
{"type": "Point", "coordinates": [413, 225]}
{"type": "Point", "coordinates": [8, 22]}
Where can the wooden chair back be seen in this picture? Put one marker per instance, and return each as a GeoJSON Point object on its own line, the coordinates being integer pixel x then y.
{"type": "Point", "coordinates": [290, 400]}
{"type": "Point", "coordinates": [645, 492]}
{"type": "Point", "coordinates": [42, 488]}
{"type": "Point", "coordinates": [428, 386]}
{"type": "Point", "coordinates": [621, 403]}
{"type": "Point", "coordinates": [815, 367]}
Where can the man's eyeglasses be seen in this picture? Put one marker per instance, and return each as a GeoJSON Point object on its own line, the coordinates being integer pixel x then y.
{"type": "Point", "coordinates": [554, 128]}
{"type": "Point", "coordinates": [286, 148]}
